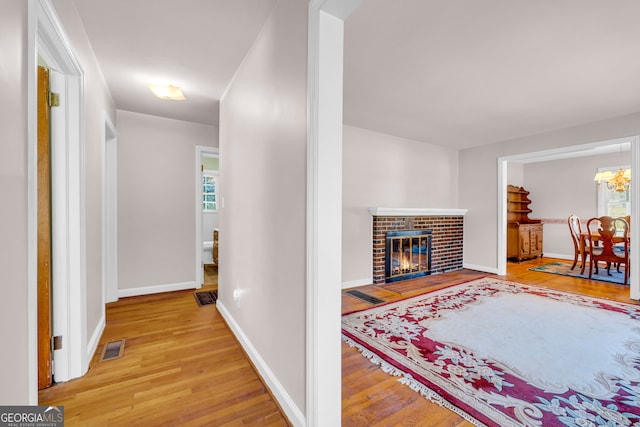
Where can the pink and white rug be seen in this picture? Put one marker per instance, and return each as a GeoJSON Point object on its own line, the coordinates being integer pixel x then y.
{"type": "Point", "coordinates": [505, 354]}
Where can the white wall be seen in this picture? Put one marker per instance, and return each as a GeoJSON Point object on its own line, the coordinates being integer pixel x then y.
{"type": "Point", "coordinates": [210, 220]}
{"type": "Point", "coordinates": [479, 177]}
{"type": "Point", "coordinates": [561, 188]}
{"type": "Point", "coordinates": [515, 173]}
{"type": "Point", "coordinates": [13, 215]}
{"type": "Point", "coordinates": [156, 201]}
{"type": "Point", "coordinates": [263, 175]}
{"type": "Point", "coordinates": [382, 170]}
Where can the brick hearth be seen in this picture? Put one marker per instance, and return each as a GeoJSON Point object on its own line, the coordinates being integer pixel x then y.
{"type": "Point", "coordinates": [447, 231]}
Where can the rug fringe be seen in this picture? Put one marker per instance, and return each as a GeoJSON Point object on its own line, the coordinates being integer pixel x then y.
{"type": "Point", "coordinates": [409, 381]}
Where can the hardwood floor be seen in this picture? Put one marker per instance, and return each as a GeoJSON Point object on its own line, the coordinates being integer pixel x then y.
{"type": "Point", "coordinates": [210, 276]}
{"type": "Point", "coordinates": [371, 397]}
{"type": "Point", "coordinates": [183, 367]}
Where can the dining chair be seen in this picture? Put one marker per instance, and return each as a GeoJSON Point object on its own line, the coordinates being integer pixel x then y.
{"type": "Point", "coordinates": [575, 229]}
{"type": "Point", "coordinates": [608, 231]}
{"type": "Point", "coordinates": [619, 247]}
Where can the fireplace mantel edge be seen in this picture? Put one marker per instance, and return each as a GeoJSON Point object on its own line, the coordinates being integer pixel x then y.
{"type": "Point", "coordinates": [416, 212]}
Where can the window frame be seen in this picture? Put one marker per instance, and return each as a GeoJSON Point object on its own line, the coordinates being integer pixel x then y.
{"type": "Point", "coordinates": [216, 176]}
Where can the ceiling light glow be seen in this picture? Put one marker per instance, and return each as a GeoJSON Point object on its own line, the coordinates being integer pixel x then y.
{"type": "Point", "coordinates": [167, 91]}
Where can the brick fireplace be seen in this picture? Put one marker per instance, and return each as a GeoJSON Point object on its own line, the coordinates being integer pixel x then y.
{"type": "Point", "coordinates": [446, 232]}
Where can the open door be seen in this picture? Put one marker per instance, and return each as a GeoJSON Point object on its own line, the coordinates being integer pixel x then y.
{"type": "Point", "coordinates": [44, 233]}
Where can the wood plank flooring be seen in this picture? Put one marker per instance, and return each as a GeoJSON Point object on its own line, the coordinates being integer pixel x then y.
{"type": "Point", "coordinates": [183, 367]}
{"type": "Point", "coordinates": [371, 397]}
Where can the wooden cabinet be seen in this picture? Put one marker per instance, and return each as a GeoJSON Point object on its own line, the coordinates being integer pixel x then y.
{"type": "Point", "coordinates": [524, 241]}
{"type": "Point", "coordinates": [524, 235]}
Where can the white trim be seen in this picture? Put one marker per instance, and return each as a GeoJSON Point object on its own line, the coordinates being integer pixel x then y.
{"type": "Point", "coordinates": [416, 212]}
{"type": "Point", "coordinates": [109, 211]}
{"type": "Point", "coordinates": [59, 225]}
{"type": "Point", "coordinates": [559, 256]}
{"type": "Point", "coordinates": [77, 257]}
{"type": "Point", "coordinates": [357, 283]}
{"type": "Point", "coordinates": [156, 289]}
{"type": "Point", "coordinates": [202, 151]}
{"type": "Point", "coordinates": [634, 280]}
{"type": "Point", "coordinates": [483, 268]}
{"type": "Point", "coordinates": [32, 203]}
{"type": "Point", "coordinates": [92, 345]}
{"type": "Point", "coordinates": [502, 217]}
{"type": "Point", "coordinates": [46, 36]}
{"type": "Point", "coordinates": [325, 45]}
{"type": "Point", "coordinates": [570, 151]}
{"type": "Point", "coordinates": [294, 414]}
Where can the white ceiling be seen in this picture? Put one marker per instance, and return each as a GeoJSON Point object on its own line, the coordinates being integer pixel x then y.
{"type": "Point", "coordinates": [195, 44]}
{"type": "Point", "coordinates": [458, 73]}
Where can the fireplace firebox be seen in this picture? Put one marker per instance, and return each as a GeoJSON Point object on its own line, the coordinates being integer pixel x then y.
{"type": "Point", "coordinates": [408, 254]}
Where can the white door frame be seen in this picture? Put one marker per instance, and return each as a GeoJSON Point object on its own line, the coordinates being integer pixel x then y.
{"type": "Point", "coordinates": [201, 152]}
{"type": "Point", "coordinates": [109, 212]}
{"type": "Point", "coordinates": [47, 38]}
{"type": "Point", "coordinates": [634, 280]}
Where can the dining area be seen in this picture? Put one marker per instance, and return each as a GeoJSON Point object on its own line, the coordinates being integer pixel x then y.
{"type": "Point", "coordinates": [601, 242]}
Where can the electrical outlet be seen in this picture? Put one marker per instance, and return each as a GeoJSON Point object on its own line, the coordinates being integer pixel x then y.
{"type": "Point", "coordinates": [236, 295]}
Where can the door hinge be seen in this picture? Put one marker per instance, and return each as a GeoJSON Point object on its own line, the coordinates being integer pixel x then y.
{"type": "Point", "coordinates": [56, 342]}
{"type": "Point", "coordinates": [54, 99]}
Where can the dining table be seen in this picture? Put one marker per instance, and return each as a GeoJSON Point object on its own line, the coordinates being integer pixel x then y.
{"type": "Point", "coordinates": [595, 236]}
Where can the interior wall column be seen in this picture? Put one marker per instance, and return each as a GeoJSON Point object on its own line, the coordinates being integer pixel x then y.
{"type": "Point", "coordinates": [324, 210]}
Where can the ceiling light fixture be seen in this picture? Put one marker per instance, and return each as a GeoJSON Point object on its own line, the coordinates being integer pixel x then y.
{"type": "Point", "coordinates": [619, 181]}
{"type": "Point", "coordinates": [166, 91]}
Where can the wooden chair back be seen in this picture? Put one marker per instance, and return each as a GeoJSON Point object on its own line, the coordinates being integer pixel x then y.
{"type": "Point", "coordinates": [575, 229]}
{"type": "Point", "coordinates": [603, 230]}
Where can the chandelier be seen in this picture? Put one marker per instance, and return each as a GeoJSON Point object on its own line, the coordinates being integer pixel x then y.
{"type": "Point", "coordinates": [619, 181]}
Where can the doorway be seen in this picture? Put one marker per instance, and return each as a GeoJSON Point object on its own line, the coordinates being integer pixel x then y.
{"type": "Point", "coordinates": [208, 205]}
{"type": "Point", "coordinates": [567, 152]}
{"type": "Point", "coordinates": [68, 264]}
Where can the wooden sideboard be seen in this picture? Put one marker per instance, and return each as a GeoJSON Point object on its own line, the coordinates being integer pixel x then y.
{"type": "Point", "coordinates": [524, 235]}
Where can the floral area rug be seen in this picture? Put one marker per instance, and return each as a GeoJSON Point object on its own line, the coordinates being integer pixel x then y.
{"type": "Point", "coordinates": [505, 354]}
{"type": "Point", "coordinates": [564, 269]}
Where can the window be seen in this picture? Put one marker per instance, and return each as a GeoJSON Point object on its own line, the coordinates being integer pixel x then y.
{"type": "Point", "coordinates": [209, 191]}
{"type": "Point", "coordinates": [614, 203]}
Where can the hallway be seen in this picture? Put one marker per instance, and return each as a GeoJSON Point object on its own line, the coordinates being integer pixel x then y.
{"type": "Point", "coordinates": [181, 366]}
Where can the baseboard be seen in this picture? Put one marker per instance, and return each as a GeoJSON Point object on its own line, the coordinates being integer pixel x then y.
{"type": "Point", "coordinates": [294, 414]}
{"type": "Point", "coordinates": [356, 283]}
{"type": "Point", "coordinates": [92, 345]}
{"type": "Point", "coordinates": [559, 256]}
{"type": "Point", "coordinates": [156, 289]}
{"type": "Point", "coordinates": [484, 268]}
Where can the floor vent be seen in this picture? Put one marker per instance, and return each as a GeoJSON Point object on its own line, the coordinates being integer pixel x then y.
{"type": "Point", "coordinates": [365, 297]}
{"type": "Point", "coordinates": [206, 297]}
{"type": "Point", "coordinates": [113, 350]}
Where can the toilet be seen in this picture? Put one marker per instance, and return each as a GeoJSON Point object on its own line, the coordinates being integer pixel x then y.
{"type": "Point", "coordinates": [207, 252]}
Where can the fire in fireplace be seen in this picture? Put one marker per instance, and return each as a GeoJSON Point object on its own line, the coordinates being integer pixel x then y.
{"type": "Point", "coordinates": [408, 254]}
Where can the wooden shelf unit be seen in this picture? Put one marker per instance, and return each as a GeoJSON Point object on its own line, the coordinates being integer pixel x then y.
{"type": "Point", "coordinates": [524, 235]}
